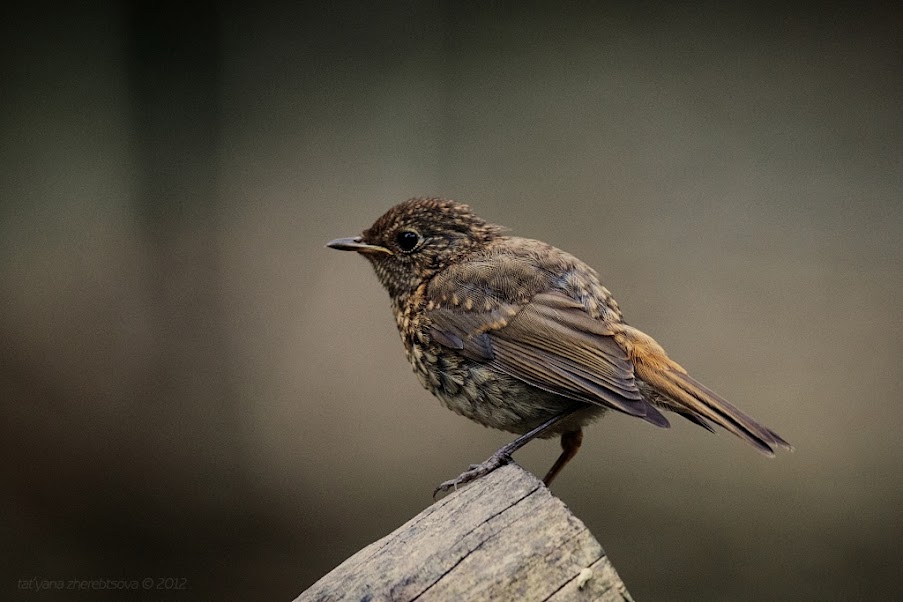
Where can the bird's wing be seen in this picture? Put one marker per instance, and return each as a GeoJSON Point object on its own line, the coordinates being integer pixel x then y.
{"type": "Point", "coordinates": [547, 340]}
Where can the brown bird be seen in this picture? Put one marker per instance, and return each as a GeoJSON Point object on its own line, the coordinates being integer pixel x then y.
{"type": "Point", "coordinates": [520, 336]}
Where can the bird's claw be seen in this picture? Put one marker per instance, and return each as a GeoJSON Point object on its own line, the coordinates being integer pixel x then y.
{"type": "Point", "coordinates": [475, 471]}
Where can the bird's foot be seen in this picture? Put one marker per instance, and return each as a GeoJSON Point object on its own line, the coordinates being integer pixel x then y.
{"type": "Point", "coordinates": [496, 460]}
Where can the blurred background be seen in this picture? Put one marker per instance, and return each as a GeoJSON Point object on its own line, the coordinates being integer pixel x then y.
{"type": "Point", "coordinates": [192, 386]}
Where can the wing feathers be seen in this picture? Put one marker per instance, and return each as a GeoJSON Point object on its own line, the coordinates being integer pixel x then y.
{"type": "Point", "coordinates": [552, 344]}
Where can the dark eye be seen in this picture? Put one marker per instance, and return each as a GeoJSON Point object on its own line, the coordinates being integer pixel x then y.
{"type": "Point", "coordinates": [407, 240]}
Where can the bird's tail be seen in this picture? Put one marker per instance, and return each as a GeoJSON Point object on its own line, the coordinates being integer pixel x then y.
{"type": "Point", "coordinates": [668, 378]}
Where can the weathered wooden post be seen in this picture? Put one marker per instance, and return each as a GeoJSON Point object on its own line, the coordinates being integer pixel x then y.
{"type": "Point", "coordinates": [503, 537]}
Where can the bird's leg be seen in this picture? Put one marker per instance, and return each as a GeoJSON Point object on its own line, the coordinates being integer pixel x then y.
{"type": "Point", "coordinates": [503, 455]}
{"type": "Point", "coordinates": [570, 445]}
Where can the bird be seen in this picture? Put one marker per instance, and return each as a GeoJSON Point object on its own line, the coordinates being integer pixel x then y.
{"type": "Point", "coordinates": [518, 335]}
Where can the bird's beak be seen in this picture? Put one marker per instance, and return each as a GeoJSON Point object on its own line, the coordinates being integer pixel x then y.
{"type": "Point", "coordinates": [355, 244]}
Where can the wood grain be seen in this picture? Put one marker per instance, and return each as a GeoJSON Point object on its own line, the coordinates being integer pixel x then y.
{"type": "Point", "coordinates": [503, 537]}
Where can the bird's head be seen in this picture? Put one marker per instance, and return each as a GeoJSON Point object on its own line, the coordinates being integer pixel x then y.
{"type": "Point", "coordinates": [417, 238]}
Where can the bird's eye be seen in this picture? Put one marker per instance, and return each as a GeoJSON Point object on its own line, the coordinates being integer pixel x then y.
{"type": "Point", "coordinates": [407, 240]}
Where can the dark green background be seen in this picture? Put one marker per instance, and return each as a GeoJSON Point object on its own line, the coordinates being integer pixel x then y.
{"type": "Point", "coordinates": [191, 385]}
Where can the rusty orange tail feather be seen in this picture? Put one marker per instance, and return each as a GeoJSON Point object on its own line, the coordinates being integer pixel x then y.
{"type": "Point", "coordinates": [667, 377]}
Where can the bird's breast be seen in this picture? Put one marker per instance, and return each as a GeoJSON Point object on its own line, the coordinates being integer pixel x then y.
{"type": "Point", "coordinates": [478, 390]}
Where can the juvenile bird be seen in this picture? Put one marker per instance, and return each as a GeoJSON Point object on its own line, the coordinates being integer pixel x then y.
{"type": "Point", "coordinates": [520, 336]}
